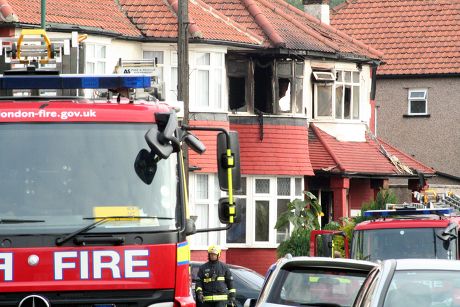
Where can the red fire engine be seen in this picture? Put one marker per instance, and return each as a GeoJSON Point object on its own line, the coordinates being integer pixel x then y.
{"type": "Point", "coordinates": [93, 202]}
{"type": "Point", "coordinates": [418, 230]}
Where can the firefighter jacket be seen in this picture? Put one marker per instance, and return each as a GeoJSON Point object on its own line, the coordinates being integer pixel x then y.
{"type": "Point", "coordinates": [215, 280]}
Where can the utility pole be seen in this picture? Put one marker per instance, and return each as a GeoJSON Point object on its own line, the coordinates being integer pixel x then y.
{"type": "Point", "coordinates": [43, 14]}
{"type": "Point", "coordinates": [183, 69]}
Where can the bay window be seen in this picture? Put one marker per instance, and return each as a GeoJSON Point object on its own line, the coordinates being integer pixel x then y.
{"type": "Point", "coordinates": [264, 199]}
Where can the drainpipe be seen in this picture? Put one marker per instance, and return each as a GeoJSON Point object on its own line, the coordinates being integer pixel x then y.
{"type": "Point", "coordinates": [43, 14]}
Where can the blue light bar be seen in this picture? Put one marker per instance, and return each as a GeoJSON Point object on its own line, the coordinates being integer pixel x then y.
{"type": "Point", "coordinates": [386, 213]}
{"type": "Point", "coordinates": [75, 81]}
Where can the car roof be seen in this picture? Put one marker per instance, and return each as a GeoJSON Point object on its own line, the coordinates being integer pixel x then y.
{"type": "Point", "coordinates": [339, 263]}
{"type": "Point", "coordinates": [425, 264]}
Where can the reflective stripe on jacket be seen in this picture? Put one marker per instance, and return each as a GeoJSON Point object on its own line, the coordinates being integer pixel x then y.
{"type": "Point", "coordinates": [215, 280]}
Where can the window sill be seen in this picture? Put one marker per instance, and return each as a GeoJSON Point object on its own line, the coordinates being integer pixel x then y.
{"type": "Point", "coordinates": [416, 115]}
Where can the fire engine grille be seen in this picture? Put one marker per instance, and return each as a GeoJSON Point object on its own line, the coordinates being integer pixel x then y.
{"type": "Point", "coordinates": [116, 298]}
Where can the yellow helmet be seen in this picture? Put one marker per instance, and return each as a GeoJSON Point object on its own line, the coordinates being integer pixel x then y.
{"type": "Point", "coordinates": [214, 249]}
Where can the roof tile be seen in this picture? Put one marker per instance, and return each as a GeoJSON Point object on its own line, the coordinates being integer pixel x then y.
{"type": "Point", "coordinates": [86, 13]}
{"type": "Point", "coordinates": [424, 31]}
{"type": "Point", "coordinates": [327, 153]}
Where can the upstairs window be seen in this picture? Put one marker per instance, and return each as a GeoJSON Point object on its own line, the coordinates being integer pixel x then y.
{"type": "Point", "coordinates": [206, 83]}
{"type": "Point", "coordinates": [265, 85]}
{"type": "Point", "coordinates": [417, 102]}
{"type": "Point", "coordinates": [336, 96]}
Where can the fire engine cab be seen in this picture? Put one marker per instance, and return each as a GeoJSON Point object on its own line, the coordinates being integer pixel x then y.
{"type": "Point", "coordinates": [93, 206]}
{"type": "Point", "coordinates": [410, 230]}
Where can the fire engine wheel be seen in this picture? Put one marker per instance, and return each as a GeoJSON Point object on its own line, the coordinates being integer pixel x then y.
{"type": "Point", "coordinates": [14, 51]}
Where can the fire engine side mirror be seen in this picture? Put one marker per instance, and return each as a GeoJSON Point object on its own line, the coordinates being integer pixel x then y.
{"type": "Point", "coordinates": [228, 157]}
{"type": "Point", "coordinates": [145, 166]}
{"type": "Point", "coordinates": [194, 143]}
{"type": "Point", "coordinates": [161, 138]}
{"type": "Point", "coordinates": [227, 211]}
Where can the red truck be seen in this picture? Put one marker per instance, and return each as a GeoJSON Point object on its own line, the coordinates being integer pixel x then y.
{"type": "Point", "coordinates": [93, 201]}
{"type": "Point", "coordinates": [396, 233]}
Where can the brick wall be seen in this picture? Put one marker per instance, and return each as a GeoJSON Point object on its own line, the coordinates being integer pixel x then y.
{"type": "Point", "coordinates": [257, 259]}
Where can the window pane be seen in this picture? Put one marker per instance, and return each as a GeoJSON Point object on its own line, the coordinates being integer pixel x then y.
{"type": "Point", "coordinates": [174, 81]}
{"type": "Point", "coordinates": [237, 94]}
{"type": "Point", "coordinates": [263, 186]}
{"type": "Point", "coordinates": [284, 69]}
{"type": "Point", "coordinates": [418, 106]}
{"type": "Point", "coordinates": [417, 94]}
{"type": "Point", "coordinates": [90, 51]}
{"type": "Point", "coordinates": [100, 67]}
{"type": "Point", "coordinates": [324, 103]}
{"type": "Point", "coordinates": [284, 94]}
{"type": "Point", "coordinates": [237, 234]}
{"type": "Point", "coordinates": [347, 102]}
{"type": "Point", "coordinates": [216, 59]}
{"type": "Point", "coordinates": [298, 186]}
{"type": "Point", "coordinates": [217, 88]}
{"type": "Point", "coordinates": [298, 96]}
{"type": "Point", "coordinates": [347, 76]}
{"type": "Point", "coordinates": [201, 211]}
{"type": "Point", "coordinates": [100, 51]}
{"type": "Point", "coordinates": [243, 187]}
{"type": "Point", "coordinates": [202, 186]}
{"type": "Point", "coordinates": [338, 101]}
{"type": "Point", "coordinates": [150, 55]}
{"type": "Point", "coordinates": [262, 220]}
{"type": "Point", "coordinates": [355, 102]}
{"type": "Point", "coordinates": [282, 234]}
{"type": "Point", "coordinates": [203, 59]}
{"type": "Point", "coordinates": [284, 186]}
{"type": "Point", "coordinates": [356, 77]}
{"type": "Point", "coordinates": [89, 68]}
{"type": "Point", "coordinates": [202, 88]}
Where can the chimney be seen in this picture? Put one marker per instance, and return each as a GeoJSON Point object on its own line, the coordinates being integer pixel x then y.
{"type": "Point", "coordinates": [318, 9]}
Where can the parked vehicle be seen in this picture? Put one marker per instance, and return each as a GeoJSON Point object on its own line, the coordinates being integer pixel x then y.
{"type": "Point", "coordinates": [412, 283]}
{"type": "Point", "coordinates": [406, 231]}
{"type": "Point", "coordinates": [247, 282]}
{"type": "Point", "coordinates": [313, 281]}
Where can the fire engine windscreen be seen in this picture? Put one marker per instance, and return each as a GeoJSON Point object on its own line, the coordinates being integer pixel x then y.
{"type": "Point", "coordinates": [63, 174]}
{"type": "Point", "coordinates": [383, 244]}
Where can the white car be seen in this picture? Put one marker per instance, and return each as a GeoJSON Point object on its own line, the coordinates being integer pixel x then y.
{"type": "Point", "coordinates": [313, 281]}
{"type": "Point", "coordinates": [412, 283]}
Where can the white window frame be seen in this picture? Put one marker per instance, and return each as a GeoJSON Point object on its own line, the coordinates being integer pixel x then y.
{"type": "Point", "coordinates": [411, 99]}
{"type": "Point", "coordinates": [334, 84]}
{"type": "Point", "coordinates": [216, 89]}
{"type": "Point", "coordinates": [214, 237]}
{"type": "Point", "coordinates": [272, 198]}
{"type": "Point", "coordinates": [94, 59]}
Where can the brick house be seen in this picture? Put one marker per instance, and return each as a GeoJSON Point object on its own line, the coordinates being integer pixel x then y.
{"type": "Point", "coordinates": [417, 87]}
{"type": "Point", "coordinates": [298, 91]}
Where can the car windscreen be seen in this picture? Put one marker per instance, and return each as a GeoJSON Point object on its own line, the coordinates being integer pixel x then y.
{"type": "Point", "coordinates": [63, 176]}
{"type": "Point", "coordinates": [305, 286]}
{"type": "Point", "coordinates": [427, 288]}
{"type": "Point", "coordinates": [381, 244]}
{"type": "Point", "coordinates": [247, 278]}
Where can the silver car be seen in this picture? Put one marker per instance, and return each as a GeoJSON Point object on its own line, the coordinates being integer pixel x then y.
{"type": "Point", "coordinates": [313, 281]}
{"type": "Point", "coordinates": [412, 283]}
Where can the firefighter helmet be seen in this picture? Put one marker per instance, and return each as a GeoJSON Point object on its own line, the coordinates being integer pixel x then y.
{"type": "Point", "coordinates": [214, 249]}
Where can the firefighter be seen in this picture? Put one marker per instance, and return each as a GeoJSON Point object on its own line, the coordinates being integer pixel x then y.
{"type": "Point", "coordinates": [214, 286]}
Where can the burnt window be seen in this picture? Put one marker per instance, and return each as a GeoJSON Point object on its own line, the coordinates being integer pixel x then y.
{"type": "Point", "coordinates": [238, 95]}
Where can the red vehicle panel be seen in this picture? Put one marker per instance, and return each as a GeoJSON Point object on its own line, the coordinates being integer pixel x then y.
{"type": "Point", "coordinates": [78, 111]}
{"type": "Point", "coordinates": [88, 268]}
